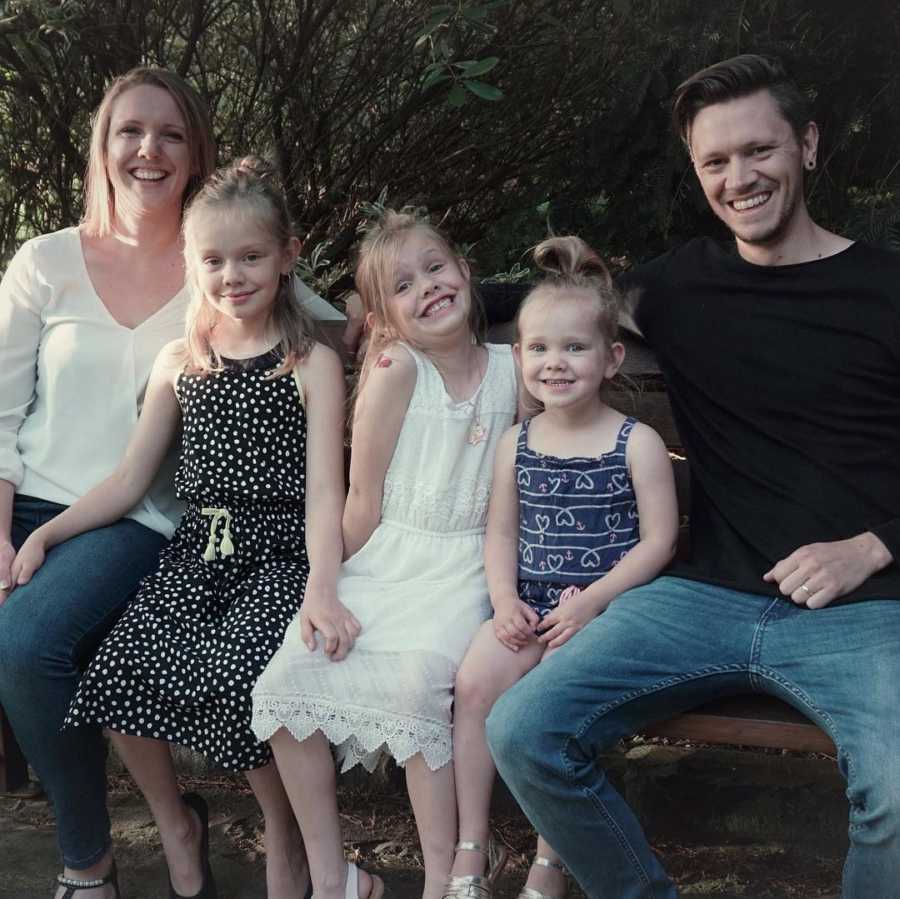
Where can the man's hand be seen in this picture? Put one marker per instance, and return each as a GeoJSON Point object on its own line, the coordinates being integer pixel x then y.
{"type": "Point", "coordinates": [7, 556]}
{"type": "Point", "coordinates": [323, 612]}
{"type": "Point", "coordinates": [514, 623]}
{"type": "Point", "coordinates": [354, 337]}
{"type": "Point", "coordinates": [816, 574]}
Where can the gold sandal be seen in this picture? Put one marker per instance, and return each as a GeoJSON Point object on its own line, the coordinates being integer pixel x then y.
{"type": "Point", "coordinates": [477, 886]}
{"type": "Point", "coordinates": [543, 862]}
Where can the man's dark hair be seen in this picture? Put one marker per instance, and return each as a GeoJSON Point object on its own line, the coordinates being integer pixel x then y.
{"type": "Point", "coordinates": [737, 77]}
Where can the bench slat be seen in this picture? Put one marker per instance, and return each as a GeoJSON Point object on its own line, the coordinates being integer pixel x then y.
{"type": "Point", "coordinates": [761, 721]}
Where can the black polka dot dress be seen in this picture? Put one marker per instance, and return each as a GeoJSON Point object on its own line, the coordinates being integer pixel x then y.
{"type": "Point", "coordinates": [182, 660]}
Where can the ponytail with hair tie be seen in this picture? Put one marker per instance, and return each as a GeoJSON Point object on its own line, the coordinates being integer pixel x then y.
{"type": "Point", "coordinates": [568, 263]}
{"type": "Point", "coordinates": [253, 165]}
{"type": "Point", "coordinates": [570, 259]}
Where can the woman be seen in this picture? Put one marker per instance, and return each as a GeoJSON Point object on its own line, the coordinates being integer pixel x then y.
{"type": "Point", "coordinates": [83, 313]}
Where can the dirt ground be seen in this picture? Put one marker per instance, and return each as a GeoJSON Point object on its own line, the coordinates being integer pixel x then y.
{"type": "Point", "coordinates": [380, 835]}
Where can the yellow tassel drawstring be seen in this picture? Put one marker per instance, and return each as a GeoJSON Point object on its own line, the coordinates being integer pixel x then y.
{"type": "Point", "coordinates": [226, 547]}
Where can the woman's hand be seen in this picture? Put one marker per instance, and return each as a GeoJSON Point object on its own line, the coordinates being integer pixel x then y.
{"type": "Point", "coordinates": [7, 557]}
{"type": "Point", "coordinates": [514, 623]}
{"type": "Point", "coordinates": [28, 559]}
{"type": "Point", "coordinates": [322, 611]}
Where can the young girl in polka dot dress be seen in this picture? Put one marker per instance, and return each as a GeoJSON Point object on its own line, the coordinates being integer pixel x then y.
{"type": "Point", "coordinates": [432, 406]}
{"type": "Point", "coordinates": [261, 406]}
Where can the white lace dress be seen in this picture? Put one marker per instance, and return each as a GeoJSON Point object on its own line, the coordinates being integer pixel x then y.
{"type": "Point", "coordinates": [417, 587]}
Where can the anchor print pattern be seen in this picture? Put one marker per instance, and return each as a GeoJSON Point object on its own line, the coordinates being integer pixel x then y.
{"type": "Point", "coordinates": [577, 518]}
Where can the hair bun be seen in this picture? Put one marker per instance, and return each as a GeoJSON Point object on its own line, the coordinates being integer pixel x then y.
{"type": "Point", "coordinates": [570, 257]}
{"type": "Point", "coordinates": [253, 165]}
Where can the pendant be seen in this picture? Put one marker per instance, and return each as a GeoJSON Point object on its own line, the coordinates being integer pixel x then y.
{"type": "Point", "coordinates": [477, 433]}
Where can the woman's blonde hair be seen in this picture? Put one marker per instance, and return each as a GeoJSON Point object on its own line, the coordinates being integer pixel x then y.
{"type": "Point", "coordinates": [568, 263]}
{"type": "Point", "coordinates": [376, 271]}
{"type": "Point", "coordinates": [247, 185]}
{"type": "Point", "coordinates": [99, 198]}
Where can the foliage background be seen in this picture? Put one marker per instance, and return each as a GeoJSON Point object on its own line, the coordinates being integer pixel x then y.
{"type": "Point", "coordinates": [503, 118]}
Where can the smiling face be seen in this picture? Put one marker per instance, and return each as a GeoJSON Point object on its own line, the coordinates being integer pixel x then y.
{"type": "Point", "coordinates": [750, 164]}
{"type": "Point", "coordinates": [148, 158]}
{"type": "Point", "coordinates": [238, 261]}
{"type": "Point", "coordinates": [429, 298]}
{"type": "Point", "coordinates": [563, 355]}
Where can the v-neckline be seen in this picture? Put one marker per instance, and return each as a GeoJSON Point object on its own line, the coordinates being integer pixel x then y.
{"type": "Point", "coordinates": [100, 302]}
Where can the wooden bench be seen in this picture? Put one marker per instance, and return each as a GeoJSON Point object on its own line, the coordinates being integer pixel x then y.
{"type": "Point", "coordinates": [13, 768]}
{"type": "Point", "coordinates": [753, 720]}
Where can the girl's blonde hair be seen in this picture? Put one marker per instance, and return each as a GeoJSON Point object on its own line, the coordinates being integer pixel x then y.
{"type": "Point", "coordinates": [376, 271]}
{"type": "Point", "coordinates": [568, 263]}
{"type": "Point", "coordinates": [99, 197]}
{"type": "Point", "coordinates": [247, 185]}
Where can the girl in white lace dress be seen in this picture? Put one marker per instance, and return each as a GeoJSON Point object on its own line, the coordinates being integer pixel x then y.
{"type": "Point", "coordinates": [432, 405]}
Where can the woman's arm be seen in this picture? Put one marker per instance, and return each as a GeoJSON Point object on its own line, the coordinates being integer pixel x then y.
{"type": "Point", "coordinates": [21, 300]}
{"type": "Point", "coordinates": [514, 620]}
{"type": "Point", "coordinates": [378, 418]}
{"type": "Point", "coordinates": [654, 489]}
{"type": "Point", "coordinates": [322, 377]}
{"type": "Point", "coordinates": [121, 491]}
{"type": "Point", "coordinates": [7, 552]}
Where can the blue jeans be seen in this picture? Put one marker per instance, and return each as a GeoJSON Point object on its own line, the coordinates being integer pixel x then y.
{"type": "Point", "coordinates": [49, 629]}
{"type": "Point", "coordinates": [665, 647]}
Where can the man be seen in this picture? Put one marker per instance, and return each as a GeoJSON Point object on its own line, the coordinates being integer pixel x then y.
{"type": "Point", "coordinates": [782, 357]}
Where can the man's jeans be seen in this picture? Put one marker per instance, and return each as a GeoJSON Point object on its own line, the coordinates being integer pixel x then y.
{"type": "Point", "coordinates": [49, 629]}
{"type": "Point", "coordinates": [664, 647]}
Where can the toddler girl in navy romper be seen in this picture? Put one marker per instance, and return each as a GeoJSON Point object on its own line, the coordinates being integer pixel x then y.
{"type": "Point", "coordinates": [582, 508]}
{"type": "Point", "coordinates": [261, 410]}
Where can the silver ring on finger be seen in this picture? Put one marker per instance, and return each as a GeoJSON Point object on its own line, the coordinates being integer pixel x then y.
{"type": "Point", "coordinates": [806, 589]}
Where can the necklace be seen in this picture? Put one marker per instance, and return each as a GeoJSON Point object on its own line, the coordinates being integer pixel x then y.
{"type": "Point", "coordinates": [478, 433]}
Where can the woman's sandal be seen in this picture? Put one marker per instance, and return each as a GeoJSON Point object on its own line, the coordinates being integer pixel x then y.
{"type": "Point", "coordinates": [208, 888]}
{"type": "Point", "coordinates": [73, 884]}
{"type": "Point", "coordinates": [543, 862]}
{"type": "Point", "coordinates": [477, 886]}
{"type": "Point", "coordinates": [351, 891]}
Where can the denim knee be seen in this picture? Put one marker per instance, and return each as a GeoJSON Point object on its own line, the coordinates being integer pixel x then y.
{"type": "Point", "coordinates": [875, 809]}
{"type": "Point", "coordinates": [514, 734]}
{"type": "Point", "coordinates": [20, 645]}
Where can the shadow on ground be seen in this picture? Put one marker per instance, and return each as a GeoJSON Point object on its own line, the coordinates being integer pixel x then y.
{"type": "Point", "coordinates": [380, 835]}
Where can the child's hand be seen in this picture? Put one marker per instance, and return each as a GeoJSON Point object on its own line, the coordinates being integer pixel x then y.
{"type": "Point", "coordinates": [322, 611]}
{"type": "Point", "coordinates": [514, 623]}
{"type": "Point", "coordinates": [569, 617]}
{"type": "Point", "coordinates": [28, 559]}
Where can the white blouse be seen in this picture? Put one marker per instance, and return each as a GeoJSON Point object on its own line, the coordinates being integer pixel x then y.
{"type": "Point", "coordinates": [72, 379]}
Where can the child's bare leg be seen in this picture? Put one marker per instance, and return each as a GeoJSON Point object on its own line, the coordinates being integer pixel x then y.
{"type": "Point", "coordinates": [433, 798]}
{"type": "Point", "coordinates": [488, 670]}
{"type": "Point", "coordinates": [307, 771]}
{"type": "Point", "coordinates": [547, 880]}
{"type": "Point", "coordinates": [150, 764]}
{"type": "Point", "coordinates": [287, 872]}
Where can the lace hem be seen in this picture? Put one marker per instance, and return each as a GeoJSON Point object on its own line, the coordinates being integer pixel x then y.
{"type": "Point", "coordinates": [360, 734]}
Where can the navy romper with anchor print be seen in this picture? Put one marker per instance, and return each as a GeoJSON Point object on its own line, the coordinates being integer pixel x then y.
{"type": "Point", "coordinates": [181, 662]}
{"type": "Point", "coordinates": [577, 519]}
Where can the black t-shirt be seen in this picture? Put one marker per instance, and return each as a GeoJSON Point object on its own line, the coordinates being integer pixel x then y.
{"type": "Point", "coordinates": [785, 386]}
